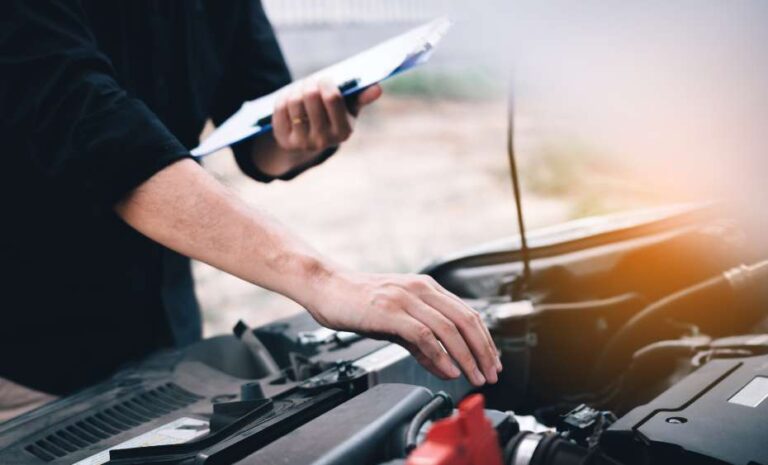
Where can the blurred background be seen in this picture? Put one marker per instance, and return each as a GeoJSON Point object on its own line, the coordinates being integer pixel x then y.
{"type": "Point", "coordinates": [619, 105]}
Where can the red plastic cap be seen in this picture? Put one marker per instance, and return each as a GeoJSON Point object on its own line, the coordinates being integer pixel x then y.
{"type": "Point", "coordinates": [463, 439]}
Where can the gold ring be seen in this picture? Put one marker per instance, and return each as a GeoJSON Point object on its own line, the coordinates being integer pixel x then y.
{"type": "Point", "coordinates": [298, 120]}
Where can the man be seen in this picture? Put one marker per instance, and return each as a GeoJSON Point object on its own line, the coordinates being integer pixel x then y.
{"type": "Point", "coordinates": [99, 104]}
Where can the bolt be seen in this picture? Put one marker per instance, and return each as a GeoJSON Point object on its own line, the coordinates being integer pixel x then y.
{"type": "Point", "coordinates": [677, 420]}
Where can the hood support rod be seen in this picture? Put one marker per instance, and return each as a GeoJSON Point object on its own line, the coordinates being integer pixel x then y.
{"type": "Point", "coordinates": [525, 282]}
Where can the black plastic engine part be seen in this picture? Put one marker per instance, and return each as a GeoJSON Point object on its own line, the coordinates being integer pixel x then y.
{"type": "Point", "coordinates": [725, 304]}
{"type": "Point", "coordinates": [259, 427]}
{"type": "Point", "coordinates": [283, 338]}
{"type": "Point", "coordinates": [257, 349]}
{"type": "Point", "coordinates": [658, 366]}
{"type": "Point", "coordinates": [156, 393]}
{"type": "Point", "coordinates": [529, 448]}
{"type": "Point", "coordinates": [606, 256]}
{"type": "Point", "coordinates": [177, 396]}
{"type": "Point", "coordinates": [584, 424]}
{"type": "Point", "coordinates": [535, 338]}
{"type": "Point", "coordinates": [366, 429]}
{"type": "Point", "coordinates": [440, 406]}
{"type": "Point", "coordinates": [588, 262]}
{"type": "Point", "coordinates": [653, 370]}
{"type": "Point", "coordinates": [716, 415]}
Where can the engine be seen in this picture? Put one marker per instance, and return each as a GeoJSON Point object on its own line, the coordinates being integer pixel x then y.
{"type": "Point", "coordinates": [633, 340]}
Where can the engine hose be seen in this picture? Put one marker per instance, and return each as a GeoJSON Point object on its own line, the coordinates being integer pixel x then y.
{"type": "Point", "coordinates": [741, 291]}
{"type": "Point", "coordinates": [441, 401]}
{"type": "Point", "coordinates": [528, 448]}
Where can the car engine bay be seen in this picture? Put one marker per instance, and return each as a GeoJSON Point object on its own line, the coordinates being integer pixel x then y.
{"type": "Point", "coordinates": [633, 339]}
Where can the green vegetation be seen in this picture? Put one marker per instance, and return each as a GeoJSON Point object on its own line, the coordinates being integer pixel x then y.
{"type": "Point", "coordinates": [469, 84]}
{"type": "Point", "coordinates": [594, 183]}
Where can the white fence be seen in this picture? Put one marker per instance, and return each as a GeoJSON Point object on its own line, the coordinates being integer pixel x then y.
{"type": "Point", "coordinates": [333, 12]}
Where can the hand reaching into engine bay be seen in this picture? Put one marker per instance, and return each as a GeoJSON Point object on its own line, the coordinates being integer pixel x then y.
{"type": "Point", "coordinates": [415, 312]}
{"type": "Point", "coordinates": [186, 209]}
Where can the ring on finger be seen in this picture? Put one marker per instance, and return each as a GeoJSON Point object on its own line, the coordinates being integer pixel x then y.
{"type": "Point", "coordinates": [297, 120]}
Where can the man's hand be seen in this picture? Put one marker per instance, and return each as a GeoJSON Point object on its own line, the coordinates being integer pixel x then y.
{"type": "Point", "coordinates": [414, 311]}
{"type": "Point", "coordinates": [309, 118]}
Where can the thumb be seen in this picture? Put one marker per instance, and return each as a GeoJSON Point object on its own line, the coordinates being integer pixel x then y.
{"type": "Point", "coordinates": [369, 95]}
{"type": "Point", "coordinates": [366, 97]}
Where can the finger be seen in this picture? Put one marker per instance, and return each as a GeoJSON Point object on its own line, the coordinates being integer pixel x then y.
{"type": "Point", "coordinates": [492, 343]}
{"type": "Point", "coordinates": [298, 117]}
{"type": "Point", "coordinates": [471, 328]}
{"type": "Point", "coordinates": [281, 122]}
{"type": "Point", "coordinates": [370, 95]}
{"type": "Point", "coordinates": [492, 354]}
{"type": "Point", "coordinates": [458, 300]}
{"type": "Point", "coordinates": [319, 123]}
{"type": "Point", "coordinates": [449, 336]}
{"type": "Point", "coordinates": [341, 120]}
{"type": "Point", "coordinates": [482, 325]}
{"type": "Point", "coordinates": [420, 336]}
{"type": "Point", "coordinates": [496, 351]}
{"type": "Point", "coordinates": [397, 326]}
{"type": "Point", "coordinates": [365, 98]}
{"type": "Point", "coordinates": [423, 360]}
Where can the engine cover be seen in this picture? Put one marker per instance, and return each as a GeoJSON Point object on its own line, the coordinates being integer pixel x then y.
{"type": "Point", "coordinates": [718, 414]}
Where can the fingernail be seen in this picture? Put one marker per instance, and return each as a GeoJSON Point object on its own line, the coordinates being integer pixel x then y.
{"type": "Point", "coordinates": [499, 367]}
{"type": "Point", "coordinates": [492, 377]}
{"type": "Point", "coordinates": [479, 378]}
{"type": "Point", "coordinates": [453, 372]}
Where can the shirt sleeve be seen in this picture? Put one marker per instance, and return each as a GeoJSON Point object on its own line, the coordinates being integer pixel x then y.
{"type": "Point", "coordinates": [59, 93]}
{"type": "Point", "coordinates": [256, 68]}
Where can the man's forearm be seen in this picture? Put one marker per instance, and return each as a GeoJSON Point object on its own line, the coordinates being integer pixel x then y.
{"type": "Point", "coordinates": [187, 210]}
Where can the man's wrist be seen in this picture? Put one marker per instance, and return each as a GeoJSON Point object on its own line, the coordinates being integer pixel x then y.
{"type": "Point", "coordinates": [314, 276]}
{"type": "Point", "coordinates": [267, 156]}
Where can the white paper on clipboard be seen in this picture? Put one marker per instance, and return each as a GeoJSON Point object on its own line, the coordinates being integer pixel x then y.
{"type": "Point", "coordinates": [362, 70]}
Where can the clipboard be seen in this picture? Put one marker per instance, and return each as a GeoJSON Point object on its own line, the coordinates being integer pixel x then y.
{"type": "Point", "coordinates": [352, 76]}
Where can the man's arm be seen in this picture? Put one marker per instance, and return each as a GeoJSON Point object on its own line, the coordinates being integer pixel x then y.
{"type": "Point", "coordinates": [259, 68]}
{"type": "Point", "coordinates": [96, 144]}
{"type": "Point", "coordinates": [185, 209]}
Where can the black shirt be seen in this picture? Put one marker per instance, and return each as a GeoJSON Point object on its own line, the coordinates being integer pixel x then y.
{"type": "Point", "coordinates": [95, 97]}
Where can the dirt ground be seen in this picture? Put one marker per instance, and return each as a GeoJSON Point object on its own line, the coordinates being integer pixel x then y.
{"type": "Point", "coordinates": [419, 179]}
